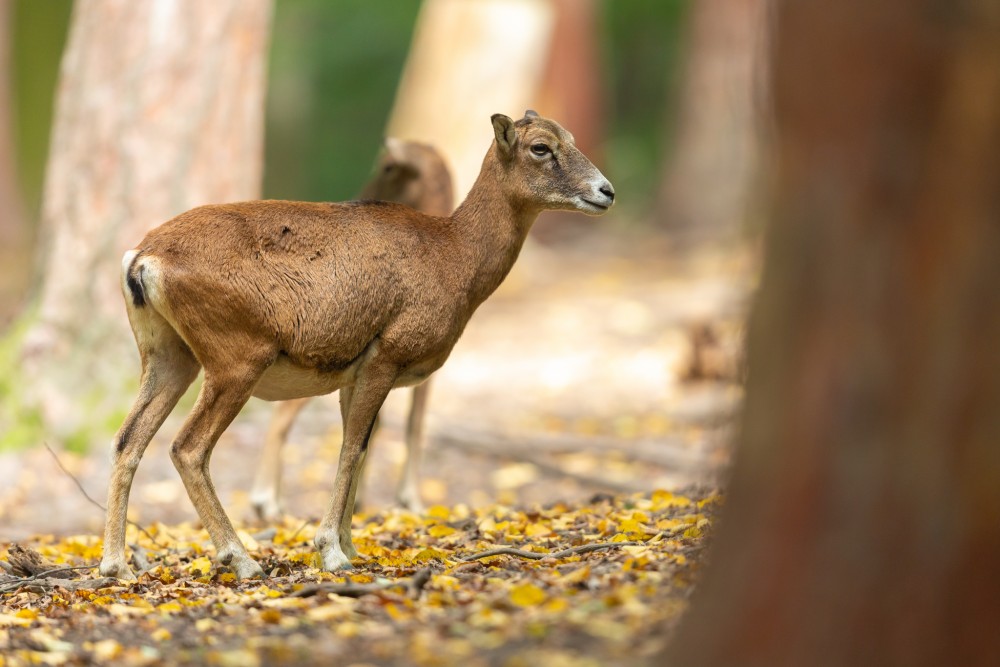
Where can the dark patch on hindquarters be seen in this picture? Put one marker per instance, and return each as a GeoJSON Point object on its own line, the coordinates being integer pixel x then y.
{"type": "Point", "coordinates": [133, 280]}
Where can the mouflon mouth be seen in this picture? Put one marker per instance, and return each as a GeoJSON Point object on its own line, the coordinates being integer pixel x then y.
{"type": "Point", "coordinates": [592, 206]}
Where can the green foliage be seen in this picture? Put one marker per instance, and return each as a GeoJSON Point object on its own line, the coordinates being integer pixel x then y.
{"type": "Point", "coordinates": [20, 426]}
{"type": "Point", "coordinates": [39, 31]}
{"type": "Point", "coordinates": [334, 70]}
{"type": "Point", "coordinates": [644, 41]}
{"type": "Point", "coordinates": [22, 423]}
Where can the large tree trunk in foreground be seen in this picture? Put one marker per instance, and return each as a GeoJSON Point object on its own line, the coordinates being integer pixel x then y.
{"type": "Point", "coordinates": [469, 60]}
{"type": "Point", "coordinates": [708, 177]}
{"type": "Point", "coordinates": [159, 109]}
{"type": "Point", "coordinates": [863, 522]}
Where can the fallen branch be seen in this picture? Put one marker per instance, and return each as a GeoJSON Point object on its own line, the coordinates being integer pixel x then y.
{"type": "Point", "coordinates": [45, 585]}
{"type": "Point", "coordinates": [52, 581]}
{"type": "Point", "coordinates": [414, 584]}
{"type": "Point", "coordinates": [535, 555]}
{"type": "Point", "coordinates": [669, 451]}
{"type": "Point", "coordinates": [94, 502]}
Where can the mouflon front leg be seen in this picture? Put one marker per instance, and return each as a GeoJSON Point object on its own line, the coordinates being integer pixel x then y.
{"type": "Point", "coordinates": [359, 406]}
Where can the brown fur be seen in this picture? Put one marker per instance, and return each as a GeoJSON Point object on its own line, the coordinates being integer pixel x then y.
{"type": "Point", "coordinates": [288, 299]}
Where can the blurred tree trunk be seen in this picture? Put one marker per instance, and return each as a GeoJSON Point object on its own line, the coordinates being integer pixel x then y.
{"type": "Point", "coordinates": [863, 522]}
{"type": "Point", "coordinates": [707, 179]}
{"type": "Point", "coordinates": [159, 109]}
{"type": "Point", "coordinates": [13, 272]}
{"type": "Point", "coordinates": [573, 91]}
{"type": "Point", "coordinates": [467, 61]}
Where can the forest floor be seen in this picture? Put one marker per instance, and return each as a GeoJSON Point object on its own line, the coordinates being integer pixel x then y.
{"type": "Point", "coordinates": [591, 401]}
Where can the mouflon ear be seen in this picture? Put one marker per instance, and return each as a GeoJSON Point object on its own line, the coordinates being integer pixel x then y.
{"type": "Point", "coordinates": [530, 113]}
{"type": "Point", "coordinates": [503, 127]}
{"type": "Point", "coordinates": [394, 148]}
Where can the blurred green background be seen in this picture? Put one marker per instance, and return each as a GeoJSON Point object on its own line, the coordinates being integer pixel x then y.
{"type": "Point", "coordinates": [333, 73]}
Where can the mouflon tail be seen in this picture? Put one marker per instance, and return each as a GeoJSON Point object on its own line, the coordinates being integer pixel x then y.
{"type": "Point", "coordinates": [132, 275]}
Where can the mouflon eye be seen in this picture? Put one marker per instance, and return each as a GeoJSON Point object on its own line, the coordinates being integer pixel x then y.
{"type": "Point", "coordinates": [540, 149]}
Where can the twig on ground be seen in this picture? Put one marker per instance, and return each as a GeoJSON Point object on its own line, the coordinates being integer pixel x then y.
{"type": "Point", "coordinates": [44, 576]}
{"type": "Point", "coordinates": [501, 448]}
{"type": "Point", "coordinates": [92, 501]}
{"type": "Point", "coordinates": [140, 558]}
{"type": "Point", "coordinates": [414, 585]}
{"type": "Point", "coordinates": [291, 539]}
{"type": "Point", "coordinates": [535, 555]}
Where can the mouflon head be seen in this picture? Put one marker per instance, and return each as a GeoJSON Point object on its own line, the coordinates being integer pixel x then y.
{"type": "Point", "coordinates": [553, 173]}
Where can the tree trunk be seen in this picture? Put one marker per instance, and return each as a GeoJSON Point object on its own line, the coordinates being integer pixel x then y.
{"type": "Point", "coordinates": [573, 92]}
{"type": "Point", "coordinates": [469, 60]}
{"type": "Point", "coordinates": [573, 89]}
{"type": "Point", "coordinates": [715, 145]}
{"type": "Point", "coordinates": [159, 109]}
{"type": "Point", "coordinates": [863, 522]}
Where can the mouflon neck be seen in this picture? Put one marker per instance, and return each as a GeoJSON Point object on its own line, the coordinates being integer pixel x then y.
{"type": "Point", "coordinates": [492, 227]}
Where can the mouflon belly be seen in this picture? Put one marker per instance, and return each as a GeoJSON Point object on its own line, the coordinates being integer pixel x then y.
{"type": "Point", "coordinates": [285, 380]}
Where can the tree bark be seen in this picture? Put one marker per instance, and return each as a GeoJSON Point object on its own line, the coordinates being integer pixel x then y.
{"type": "Point", "coordinates": [159, 109]}
{"type": "Point", "coordinates": [863, 521]}
{"type": "Point", "coordinates": [469, 60]}
{"type": "Point", "coordinates": [708, 176]}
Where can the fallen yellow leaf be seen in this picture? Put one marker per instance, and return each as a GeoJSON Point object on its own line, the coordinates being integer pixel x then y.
{"type": "Point", "coordinates": [527, 595]}
{"type": "Point", "coordinates": [200, 566]}
{"type": "Point", "coordinates": [168, 608]}
{"type": "Point", "coordinates": [438, 512]}
{"type": "Point", "coordinates": [440, 531]}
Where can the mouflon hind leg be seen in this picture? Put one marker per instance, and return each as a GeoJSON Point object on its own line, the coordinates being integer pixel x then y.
{"type": "Point", "coordinates": [225, 392]}
{"type": "Point", "coordinates": [168, 369]}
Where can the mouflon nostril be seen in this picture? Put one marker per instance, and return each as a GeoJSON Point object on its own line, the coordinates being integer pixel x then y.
{"type": "Point", "coordinates": [608, 191]}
